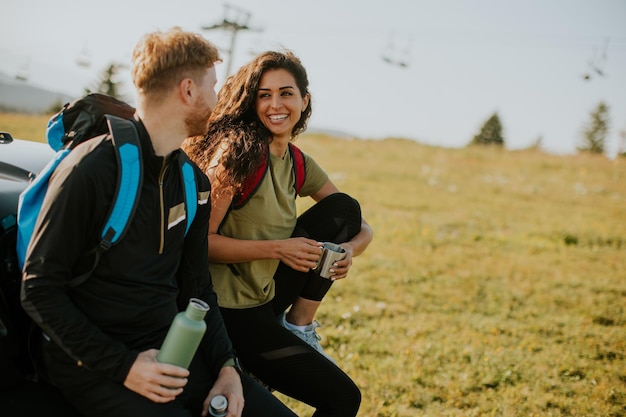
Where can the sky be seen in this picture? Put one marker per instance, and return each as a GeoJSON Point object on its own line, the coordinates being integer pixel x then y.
{"type": "Point", "coordinates": [428, 70]}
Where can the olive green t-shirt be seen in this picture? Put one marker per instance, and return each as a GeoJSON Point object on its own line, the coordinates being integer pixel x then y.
{"type": "Point", "coordinates": [270, 214]}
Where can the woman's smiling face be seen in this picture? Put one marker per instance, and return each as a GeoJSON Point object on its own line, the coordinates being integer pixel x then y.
{"type": "Point", "coordinates": [279, 103]}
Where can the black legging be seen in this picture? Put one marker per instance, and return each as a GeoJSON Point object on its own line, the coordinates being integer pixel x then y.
{"type": "Point", "coordinates": [275, 355]}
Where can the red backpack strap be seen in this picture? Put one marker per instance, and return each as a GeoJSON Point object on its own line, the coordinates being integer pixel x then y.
{"type": "Point", "coordinates": [250, 185]}
{"type": "Point", "coordinates": [299, 167]}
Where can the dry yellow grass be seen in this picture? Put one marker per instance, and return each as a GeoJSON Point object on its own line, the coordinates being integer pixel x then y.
{"type": "Point", "coordinates": [24, 126]}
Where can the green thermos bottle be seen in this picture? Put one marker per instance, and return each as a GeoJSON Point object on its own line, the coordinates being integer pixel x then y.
{"type": "Point", "coordinates": [184, 335]}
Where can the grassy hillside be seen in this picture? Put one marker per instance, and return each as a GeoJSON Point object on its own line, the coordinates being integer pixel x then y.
{"type": "Point", "coordinates": [495, 285]}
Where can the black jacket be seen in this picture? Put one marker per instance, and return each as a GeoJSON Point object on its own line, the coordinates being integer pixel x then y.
{"type": "Point", "coordinates": [127, 304]}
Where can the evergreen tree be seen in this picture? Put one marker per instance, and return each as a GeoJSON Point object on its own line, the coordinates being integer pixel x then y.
{"type": "Point", "coordinates": [596, 130]}
{"type": "Point", "coordinates": [107, 83]}
{"type": "Point", "coordinates": [490, 133]}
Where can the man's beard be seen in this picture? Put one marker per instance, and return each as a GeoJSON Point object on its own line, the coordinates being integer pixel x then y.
{"type": "Point", "coordinates": [197, 122]}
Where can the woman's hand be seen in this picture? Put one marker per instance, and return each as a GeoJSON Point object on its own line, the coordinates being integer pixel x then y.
{"type": "Point", "coordinates": [339, 269]}
{"type": "Point", "coordinates": [300, 253]}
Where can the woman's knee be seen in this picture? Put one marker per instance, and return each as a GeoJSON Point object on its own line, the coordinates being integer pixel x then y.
{"type": "Point", "coordinates": [342, 200]}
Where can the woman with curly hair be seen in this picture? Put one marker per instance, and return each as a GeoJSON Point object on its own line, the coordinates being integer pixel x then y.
{"type": "Point", "coordinates": [263, 254]}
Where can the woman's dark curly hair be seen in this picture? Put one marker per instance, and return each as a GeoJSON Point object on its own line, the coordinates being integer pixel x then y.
{"type": "Point", "coordinates": [234, 127]}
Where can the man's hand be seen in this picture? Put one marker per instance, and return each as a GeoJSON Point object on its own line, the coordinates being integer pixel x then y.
{"type": "Point", "coordinates": [159, 382]}
{"type": "Point", "coordinates": [228, 384]}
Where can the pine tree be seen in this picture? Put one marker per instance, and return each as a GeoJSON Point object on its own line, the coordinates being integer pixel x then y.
{"type": "Point", "coordinates": [596, 130]}
{"type": "Point", "coordinates": [490, 133]}
{"type": "Point", "coordinates": [107, 83]}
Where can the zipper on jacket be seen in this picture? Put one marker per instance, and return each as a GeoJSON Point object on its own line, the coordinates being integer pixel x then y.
{"type": "Point", "coordinates": [162, 205]}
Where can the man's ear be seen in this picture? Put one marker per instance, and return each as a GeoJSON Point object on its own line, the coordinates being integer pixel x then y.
{"type": "Point", "coordinates": [186, 90]}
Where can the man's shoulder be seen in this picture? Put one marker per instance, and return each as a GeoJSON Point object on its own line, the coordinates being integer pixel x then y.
{"type": "Point", "coordinates": [201, 178]}
{"type": "Point", "coordinates": [92, 158]}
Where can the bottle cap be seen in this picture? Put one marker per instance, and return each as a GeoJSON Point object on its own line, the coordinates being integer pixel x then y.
{"type": "Point", "coordinates": [219, 403]}
{"type": "Point", "coordinates": [196, 310]}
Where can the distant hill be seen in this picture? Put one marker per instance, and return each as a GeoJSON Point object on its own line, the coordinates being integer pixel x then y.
{"type": "Point", "coordinates": [19, 96]}
{"type": "Point", "coordinates": [338, 134]}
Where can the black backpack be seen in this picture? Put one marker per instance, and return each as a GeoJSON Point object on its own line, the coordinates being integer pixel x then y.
{"type": "Point", "coordinates": [83, 119]}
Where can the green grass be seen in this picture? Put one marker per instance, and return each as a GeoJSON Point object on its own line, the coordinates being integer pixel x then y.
{"type": "Point", "coordinates": [495, 284]}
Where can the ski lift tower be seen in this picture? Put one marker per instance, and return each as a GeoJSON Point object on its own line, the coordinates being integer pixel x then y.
{"type": "Point", "coordinates": [235, 20]}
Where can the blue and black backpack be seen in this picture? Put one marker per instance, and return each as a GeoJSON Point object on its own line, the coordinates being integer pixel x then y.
{"type": "Point", "coordinates": [89, 117]}
{"type": "Point", "coordinates": [85, 118]}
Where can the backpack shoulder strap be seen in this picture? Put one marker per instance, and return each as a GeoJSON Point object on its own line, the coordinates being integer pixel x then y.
{"type": "Point", "coordinates": [251, 184]}
{"type": "Point", "coordinates": [188, 178]}
{"type": "Point", "coordinates": [130, 176]}
{"type": "Point", "coordinates": [299, 167]}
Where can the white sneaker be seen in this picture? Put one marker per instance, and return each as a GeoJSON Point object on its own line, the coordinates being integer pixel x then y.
{"type": "Point", "coordinates": [309, 335]}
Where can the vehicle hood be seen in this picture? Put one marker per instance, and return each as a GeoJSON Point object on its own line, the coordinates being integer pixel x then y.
{"type": "Point", "coordinates": [20, 161]}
